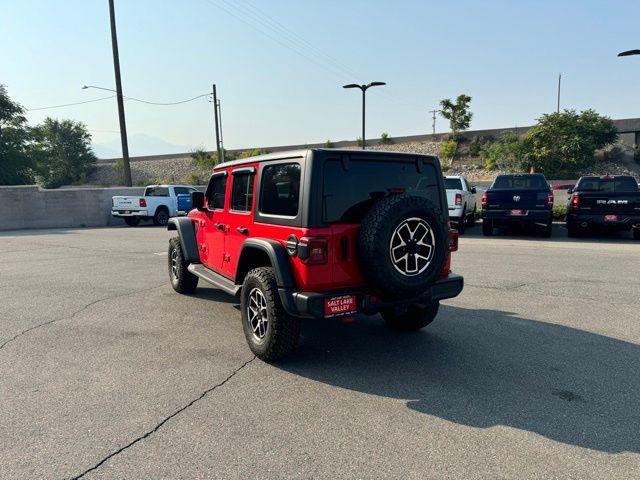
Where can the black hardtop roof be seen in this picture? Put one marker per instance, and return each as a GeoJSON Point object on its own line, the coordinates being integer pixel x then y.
{"type": "Point", "coordinates": [339, 151]}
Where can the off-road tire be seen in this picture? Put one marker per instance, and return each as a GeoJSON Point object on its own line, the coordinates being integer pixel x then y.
{"type": "Point", "coordinates": [161, 217]}
{"type": "Point", "coordinates": [283, 330]}
{"type": "Point", "coordinates": [182, 280]}
{"type": "Point", "coordinates": [462, 224]}
{"type": "Point", "coordinates": [413, 318]}
{"type": "Point", "coordinates": [132, 221]}
{"type": "Point", "coordinates": [636, 233]}
{"type": "Point", "coordinates": [374, 245]}
{"type": "Point", "coordinates": [487, 228]}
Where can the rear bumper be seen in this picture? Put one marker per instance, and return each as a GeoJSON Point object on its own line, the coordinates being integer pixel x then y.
{"type": "Point", "coordinates": [129, 213]}
{"type": "Point", "coordinates": [624, 222]}
{"type": "Point", "coordinates": [529, 216]}
{"type": "Point", "coordinates": [311, 304]}
{"type": "Point", "coordinates": [455, 213]}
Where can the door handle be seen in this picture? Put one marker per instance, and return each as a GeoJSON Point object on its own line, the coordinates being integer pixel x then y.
{"type": "Point", "coordinates": [219, 226]}
{"type": "Point", "coordinates": [243, 230]}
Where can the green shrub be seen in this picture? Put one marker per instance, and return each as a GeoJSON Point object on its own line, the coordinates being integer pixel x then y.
{"type": "Point", "coordinates": [249, 153]}
{"type": "Point", "coordinates": [477, 143]}
{"type": "Point", "coordinates": [505, 153]}
{"type": "Point", "coordinates": [559, 212]}
{"type": "Point", "coordinates": [385, 139]}
{"type": "Point", "coordinates": [448, 150]}
{"type": "Point", "coordinates": [359, 141]}
{"type": "Point", "coordinates": [204, 159]}
{"type": "Point", "coordinates": [328, 144]}
{"type": "Point", "coordinates": [193, 178]}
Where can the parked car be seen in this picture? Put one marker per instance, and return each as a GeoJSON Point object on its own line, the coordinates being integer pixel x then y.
{"type": "Point", "coordinates": [313, 234]}
{"type": "Point", "coordinates": [461, 199]}
{"type": "Point", "coordinates": [611, 202]}
{"type": "Point", "coordinates": [518, 199]}
{"type": "Point", "coordinates": [159, 203]}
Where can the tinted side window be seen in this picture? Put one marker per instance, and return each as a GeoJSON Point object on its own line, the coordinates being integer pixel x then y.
{"type": "Point", "coordinates": [215, 192]}
{"type": "Point", "coordinates": [182, 190]}
{"type": "Point", "coordinates": [156, 192]}
{"type": "Point", "coordinates": [280, 190]}
{"type": "Point", "coordinates": [348, 195]}
{"type": "Point", "coordinates": [242, 192]}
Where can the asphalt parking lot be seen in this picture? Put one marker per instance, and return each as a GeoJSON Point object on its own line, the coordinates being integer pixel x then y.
{"type": "Point", "coordinates": [107, 373]}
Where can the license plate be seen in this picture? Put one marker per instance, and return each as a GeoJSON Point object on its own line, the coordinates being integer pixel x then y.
{"type": "Point", "coordinates": [342, 305]}
{"type": "Point", "coordinates": [517, 212]}
{"type": "Point", "coordinates": [127, 211]}
{"type": "Point", "coordinates": [611, 218]}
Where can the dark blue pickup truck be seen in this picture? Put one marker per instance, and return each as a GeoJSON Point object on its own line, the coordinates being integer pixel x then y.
{"type": "Point", "coordinates": [518, 199]}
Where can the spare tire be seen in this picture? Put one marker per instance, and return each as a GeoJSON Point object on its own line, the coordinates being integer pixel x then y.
{"type": "Point", "coordinates": [402, 246]}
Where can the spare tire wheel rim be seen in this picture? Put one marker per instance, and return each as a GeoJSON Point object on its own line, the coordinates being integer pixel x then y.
{"type": "Point", "coordinates": [412, 246]}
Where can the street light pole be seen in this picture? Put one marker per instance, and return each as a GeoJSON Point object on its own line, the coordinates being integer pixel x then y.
{"type": "Point", "coordinates": [364, 88]}
{"type": "Point", "coordinates": [123, 125]}
{"type": "Point", "coordinates": [559, 80]}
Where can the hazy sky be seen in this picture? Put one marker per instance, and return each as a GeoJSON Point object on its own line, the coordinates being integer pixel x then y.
{"type": "Point", "coordinates": [279, 64]}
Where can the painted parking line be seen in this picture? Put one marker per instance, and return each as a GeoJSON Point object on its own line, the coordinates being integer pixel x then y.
{"type": "Point", "coordinates": [159, 253]}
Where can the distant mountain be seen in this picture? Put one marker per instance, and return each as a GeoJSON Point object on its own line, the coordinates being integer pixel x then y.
{"type": "Point", "coordinates": [139, 145]}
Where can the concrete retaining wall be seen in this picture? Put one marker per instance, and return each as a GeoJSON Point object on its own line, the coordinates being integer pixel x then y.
{"type": "Point", "coordinates": [30, 206]}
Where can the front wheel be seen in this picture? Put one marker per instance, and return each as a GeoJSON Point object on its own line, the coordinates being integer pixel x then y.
{"type": "Point", "coordinates": [270, 332]}
{"type": "Point", "coordinates": [414, 317]}
{"type": "Point", "coordinates": [182, 280]}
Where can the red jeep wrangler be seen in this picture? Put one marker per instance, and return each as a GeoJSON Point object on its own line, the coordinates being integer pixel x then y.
{"type": "Point", "coordinates": [320, 233]}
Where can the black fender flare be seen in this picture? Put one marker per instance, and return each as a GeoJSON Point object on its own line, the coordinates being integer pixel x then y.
{"type": "Point", "coordinates": [278, 257]}
{"type": "Point", "coordinates": [187, 233]}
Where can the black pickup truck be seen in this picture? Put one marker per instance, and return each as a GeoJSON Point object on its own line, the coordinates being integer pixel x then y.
{"type": "Point", "coordinates": [610, 203]}
{"type": "Point", "coordinates": [518, 199]}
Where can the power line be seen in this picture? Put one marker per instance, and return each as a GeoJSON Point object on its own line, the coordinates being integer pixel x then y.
{"type": "Point", "coordinates": [69, 104]}
{"type": "Point", "coordinates": [167, 103]}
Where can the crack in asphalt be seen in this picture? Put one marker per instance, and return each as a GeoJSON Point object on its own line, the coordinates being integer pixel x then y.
{"type": "Point", "coordinates": [77, 312]}
{"type": "Point", "coordinates": [165, 420]}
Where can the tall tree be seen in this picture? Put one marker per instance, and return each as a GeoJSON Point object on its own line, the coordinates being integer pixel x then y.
{"type": "Point", "coordinates": [62, 152]}
{"type": "Point", "coordinates": [15, 164]}
{"type": "Point", "coordinates": [457, 113]}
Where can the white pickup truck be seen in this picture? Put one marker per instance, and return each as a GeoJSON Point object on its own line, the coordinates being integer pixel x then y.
{"type": "Point", "coordinates": [159, 203]}
{"type": "Point", "coordinates": [461, 198]}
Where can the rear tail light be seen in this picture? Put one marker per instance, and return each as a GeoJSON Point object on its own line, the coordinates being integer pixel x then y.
{"type": "Point", "coordinates": [143, 202]}
{"type": "Point", "coordinates": [458, 199]}
{"type": "Point", "coordinates": [313, 251]}
{"type": "Point", "coordinates": [575, 202]}
{"type": "Point", "coordinates": [484, 200]}
{"type": "Point", "coordinates": [550, 200]}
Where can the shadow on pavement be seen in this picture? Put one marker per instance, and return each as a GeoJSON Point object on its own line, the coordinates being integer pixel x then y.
{"type": "Point", "coordinates": [483, 368]}
{"type": "Point", "coordinates": [559, 235]}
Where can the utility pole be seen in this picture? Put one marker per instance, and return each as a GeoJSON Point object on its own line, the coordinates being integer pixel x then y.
{"type": "Point", "coordinates": [434, 112]}
{"type": "Point", "coordinates": [123, 124]}
{"type": "Point", "coordinates": [559, 81]}
{"type": "Point", "coordinates": [220, 120]}
{"type": "Point", "coordinates": [215, 116]}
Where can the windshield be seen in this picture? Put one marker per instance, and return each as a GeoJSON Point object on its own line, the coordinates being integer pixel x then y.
{"type": "Point", "coordinates": [453, 184]}
{"type": "Point", "coordinates": [520, 182]}
{"type": "Point", "coordinates": [612, 184]}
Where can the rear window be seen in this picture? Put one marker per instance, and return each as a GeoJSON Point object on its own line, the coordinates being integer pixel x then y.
{"type": "Point", "coordinates": [183, 190]}
{"type": "Point", "coordinates": [520, 182]}
{"type": "Point", "coordinates": [156, 192]}
{"type": "Point", "coordinates": [348, 194]}
{"type": "Point", "coordinates": [453, 184]}
{"type": "Point", "coordinates": [612, 184]}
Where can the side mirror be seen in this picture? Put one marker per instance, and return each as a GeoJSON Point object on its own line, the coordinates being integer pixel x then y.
{"type": "Point", "coordinates": [197, 201]}
{"type": "Point", "coordinates": [473, 190]}
{"type": "Point", "coordinates": [569, 191]}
